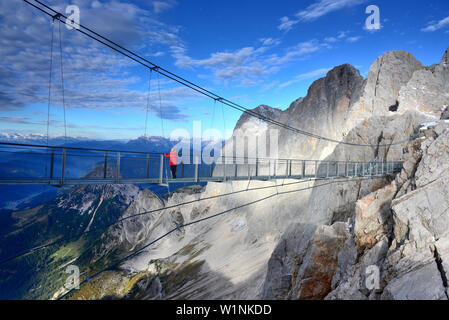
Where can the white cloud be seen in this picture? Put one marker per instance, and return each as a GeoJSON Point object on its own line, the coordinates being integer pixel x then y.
{"type": "Point", "coordinates": [353, 39]}
{"type": "Point", "coordinates": [315, 11]}
{"type": "Point", "coordinates": [323, 7]}
{"type": "Point", "coordinates": [270, 41]}
{"type": "Point", "coordinates": [434, 26]}
{"type": "Point", "coordinates": [342, 34]}
{"type": "Point", "coordinates": [304, 76]}
{"type": "Point", "coordinates": [161, 6]}
{"type": "Point", "coordinates": [248, 64]}
{"type": "Point", "coordinates": [299, 50]}
{"type": "Point", "coordinates": [270, 85]}
{"type": "Point", "coordinates": [95, 77]}
{"type": "Point", "coordinates": [330, 39]}
{"type": "Point", "coordinates": [287, 24]}
{"type": "Point", "coordinates": [158, 54]}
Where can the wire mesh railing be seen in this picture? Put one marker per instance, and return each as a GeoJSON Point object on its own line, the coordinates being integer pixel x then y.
{"type": "Point", "coordinates": [35, 164]}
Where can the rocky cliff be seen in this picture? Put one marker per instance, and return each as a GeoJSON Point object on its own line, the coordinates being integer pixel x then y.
{"type": "Point", "coordinates": [317, 240]}
{"type": "Point", "coordinates": [401, 227]}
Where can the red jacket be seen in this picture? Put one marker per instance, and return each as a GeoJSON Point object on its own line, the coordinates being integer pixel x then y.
{"type": "Point", "coordinates": [173, 157]}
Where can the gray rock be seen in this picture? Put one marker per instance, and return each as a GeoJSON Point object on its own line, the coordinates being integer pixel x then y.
{"type": "Point", "coordinates": [425, 92]}
{"type": "Point", "coordinates": [307, 272]}
{"type": "Point", "coordinates": [286, 257]}
{"type": "Point", "coordinates": [373, 218]}
{"type": "Point", "coordinates": [445, 114]}
{"type": "Point", "coordinates": [435, 163]}
{"type": "Point", "coordinates": [420, 284]}
{"type": "Point", "coordinates": [387, 75]}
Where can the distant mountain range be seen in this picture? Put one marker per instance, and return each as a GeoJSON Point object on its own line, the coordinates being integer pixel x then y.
{"type": "Point", "coordinates": [17, 197]}
{"type": "Point", "coordinates": [142, 143]}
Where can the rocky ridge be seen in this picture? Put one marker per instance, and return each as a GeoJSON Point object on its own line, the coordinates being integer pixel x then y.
{"type": "Point", "coordinates": [316, 243]}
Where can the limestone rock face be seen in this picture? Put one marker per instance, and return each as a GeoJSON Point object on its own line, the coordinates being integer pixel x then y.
{"type": "Point", "coordinates": [289, 253]}
{"type": "Point", "coordinates": [414, 263]}
{"type": "Point", "coordinates": [412, 256]}
{"type": "Point", "coordinates": [420, 284]}
{"type": "Point", "coordinates": [314, 277]}
{"type": "Point", "coordinates": [445, 60]}
{"type": "Point", "coordinates": [445, 114]}
{"type": "Point", "coordinates": [373, 217]}
{"type": "Point", "coordinates": [436, 162]}
{"type": "Point", "coordinates": [385, 78]}
{"type": "Point", "coordinates": [305, 272]}
{"type": "Point", "coordinates": [399, 227]}
{"type": "Point", "coordinates": [263, 110]}
{"type": "Point", "coordinates": [322, 111]}
{"type": "Point", "coordinates": [425, 92]}
{"type": "Point", "coordinates": [318, 243]}
{"type": "Point", "coordinates": [428, 90]}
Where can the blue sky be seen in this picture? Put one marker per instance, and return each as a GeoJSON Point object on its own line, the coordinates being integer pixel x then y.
{"type": "Point", "coordinates": [264, 52]}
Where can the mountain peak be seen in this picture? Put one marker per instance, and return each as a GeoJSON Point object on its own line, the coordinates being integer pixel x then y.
{"type": "Point", "coordinates": [445, 60]}
{"type": "Point", "coordinates": [263, 110]}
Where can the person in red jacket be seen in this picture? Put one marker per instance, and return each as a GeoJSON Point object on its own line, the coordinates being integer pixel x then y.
{"type": "Point", "coordinates": [173, 161]}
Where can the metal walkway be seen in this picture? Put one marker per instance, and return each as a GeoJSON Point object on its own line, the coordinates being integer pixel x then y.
{"type": "Point", "coordinates": [64, 166]}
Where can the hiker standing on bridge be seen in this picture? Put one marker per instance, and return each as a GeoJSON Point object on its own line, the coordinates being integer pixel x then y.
{"type": "Point", "coordinates": [173, 161]}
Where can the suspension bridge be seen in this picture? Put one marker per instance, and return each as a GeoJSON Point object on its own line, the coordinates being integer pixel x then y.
{"type": "Point", "coordinates": [34, 164]}
{"type": "Point", "coordinates": [65, 166]}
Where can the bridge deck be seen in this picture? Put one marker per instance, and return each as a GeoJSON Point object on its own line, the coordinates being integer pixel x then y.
{"type": "Point", "coordinates": [59, 166]}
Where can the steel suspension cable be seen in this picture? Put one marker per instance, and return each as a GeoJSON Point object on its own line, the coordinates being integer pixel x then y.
{"type": "Point", "coordinates": [62, 85]}
{"type": "Point", "coordinates": [133, 56]}
{"type": "Point", "coordinates": [95, 228]}
{"type": "Point", "coordinates": [148, 102]}
{"type": "Point", "coordinates": [49, 81]}
{"type": "Point", "coordinates": [178, 227]}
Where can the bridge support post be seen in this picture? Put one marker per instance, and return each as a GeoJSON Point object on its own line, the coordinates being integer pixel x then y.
{"type": "Point", "coordinates": [290, 169]}
{"type": "Point", "coordinates": [63, 166]}
{"type": "Point", "coordinates": [316, 169]}
{"type": "Point", "coordinates": [224, 169]}
{"type": "Point", "coordinates": [148, 166]}
{"type": "Point", "coordinates": [117, 175]}
{"type": "Point", "coordinates": [235, 167]}
{"type": "Point", "coordinates": [355, 169]}
{"type": "Point", "coordinates": [105, 164]}
{"type": "Point", "coordinates": [303, 174]}
{"type": "Point", "coordinates": [196, 168]}
{"type": "Point", "coordinates": [327, 169]}
{"type": "Point", "coordinates": [269, 169]}
{"type": "Point", "coordinates": [257, 167]}
{"type": "Point", "coordinates": [211, 169]}
{"type": "Point", "coordinates": [52, 160]}
{"type": "Point", "coordinates": [161, 168]}
{"type": "Point", "coordinates": [287, 167]}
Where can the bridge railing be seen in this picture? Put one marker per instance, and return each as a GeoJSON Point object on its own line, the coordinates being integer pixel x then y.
{"type": "Point", "coordinates": [295, 168]}
{"type": "Point", "coordinates": [36, 164]}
